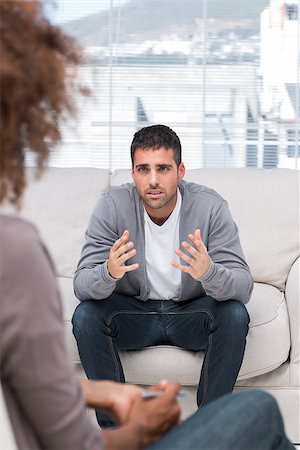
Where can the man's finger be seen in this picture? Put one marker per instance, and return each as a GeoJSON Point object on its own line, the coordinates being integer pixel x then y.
{"type": "Point", "coordinates": [124, 238]}
{"type": "Point", "coordinates": [197, 241]}
{"type": "Point", "coordinates": [117, 244]}
{"type": "Point", "coordinates": [178, 266]}
{"type": "Point", "coordinates": [131, 267]}
{"type": "Point", "coordinates": [125, 256]}
{"type": "Point", "coordinates": [185, 257]}
{"type": "Point", "coordinates": [123, 249]}
{"type": "Point", "coordinates": [192, 250]}
{"type": "Point", "coordinates": [198, 234]}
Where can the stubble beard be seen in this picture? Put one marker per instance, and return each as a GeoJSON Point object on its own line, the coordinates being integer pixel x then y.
{"type": "Point", "coordinates": [159, 203]}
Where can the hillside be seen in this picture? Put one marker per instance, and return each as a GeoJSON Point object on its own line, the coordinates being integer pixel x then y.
{"type": "Point", "coordinates": [139, 20]}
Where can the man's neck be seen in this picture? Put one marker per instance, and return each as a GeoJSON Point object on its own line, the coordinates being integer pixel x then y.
{"type": "Point", "coordinates": [159, 220]}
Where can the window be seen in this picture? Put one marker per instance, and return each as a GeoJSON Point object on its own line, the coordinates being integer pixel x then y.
{"type": "Point", "coordinates": [223, 75]}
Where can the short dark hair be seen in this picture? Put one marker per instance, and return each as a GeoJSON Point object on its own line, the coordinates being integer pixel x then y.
{"type": "Point", "coordinates": [155, 137]}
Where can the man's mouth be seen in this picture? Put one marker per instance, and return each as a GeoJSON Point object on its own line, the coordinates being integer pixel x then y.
{"type": "Point", "coordinates": [154, 193]}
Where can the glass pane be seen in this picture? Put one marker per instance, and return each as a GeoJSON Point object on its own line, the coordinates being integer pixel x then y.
{"type": "Point", "coordinates": [223, 75]}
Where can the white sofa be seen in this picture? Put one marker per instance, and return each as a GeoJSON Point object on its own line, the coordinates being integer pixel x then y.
{"type": "Point", "coordinates": [265, 206]}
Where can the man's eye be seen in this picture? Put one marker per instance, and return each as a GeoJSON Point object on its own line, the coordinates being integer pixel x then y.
{"type": "Point", "coordinates": [142, 169]}
{"type": "Point", "coordinates": [164, 169]}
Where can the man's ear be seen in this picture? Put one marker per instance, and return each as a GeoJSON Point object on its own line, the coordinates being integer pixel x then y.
{"type": "Point", "coordinates": [181, 171]}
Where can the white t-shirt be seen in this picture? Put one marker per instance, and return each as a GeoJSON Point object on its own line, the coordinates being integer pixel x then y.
{"type": "Point", "coordinates": [160, 244]}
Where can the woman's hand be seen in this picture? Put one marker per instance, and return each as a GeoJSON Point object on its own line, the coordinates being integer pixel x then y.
{"type": "Point", "coordinates": [154, 417]}
{"type": "Point", "coordinates": [116, 398]}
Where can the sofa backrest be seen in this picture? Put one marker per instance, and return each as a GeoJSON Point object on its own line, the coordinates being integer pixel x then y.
{"type": "Point", "coordinates": [265, 205]}
{"type": "Point", "coordinates": [60, 204]}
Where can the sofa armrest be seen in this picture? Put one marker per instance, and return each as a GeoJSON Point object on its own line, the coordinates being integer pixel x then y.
{"type": "Point", "coordinates": [292, 295]}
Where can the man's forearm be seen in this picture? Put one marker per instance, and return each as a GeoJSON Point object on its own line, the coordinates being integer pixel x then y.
{"type": "Point", "coordinates": [93, 283]}
{"type": "Point", "coordinates": [222, 283]}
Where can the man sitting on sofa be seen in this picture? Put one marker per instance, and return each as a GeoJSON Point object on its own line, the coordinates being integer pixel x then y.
{"type": "Point", "coordinates": [162, 264]}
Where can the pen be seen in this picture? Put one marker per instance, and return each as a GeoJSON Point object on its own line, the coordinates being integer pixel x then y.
{"type": "Point", "coordinates": [152, 394]}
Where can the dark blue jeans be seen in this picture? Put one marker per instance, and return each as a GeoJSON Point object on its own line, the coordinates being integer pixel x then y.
{"type": "Point", "coordinates": [240, 421]}
{"type": "Point", "coordinates": [104, 327]}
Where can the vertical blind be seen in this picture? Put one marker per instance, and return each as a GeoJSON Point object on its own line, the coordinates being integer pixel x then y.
{"type": "Point", "coordinates": [223, 75]}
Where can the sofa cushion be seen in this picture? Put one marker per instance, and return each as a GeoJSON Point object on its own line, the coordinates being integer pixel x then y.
{"type": "Point", "coordinates": [267, 217]}
{"type": "Point", "coordinates": [268, 342]}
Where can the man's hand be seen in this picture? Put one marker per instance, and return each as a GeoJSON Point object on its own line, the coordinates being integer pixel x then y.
{"type": "Point", "coordinates": [199, 260]}
{"type": "Point", "coordinates": [119, 253]}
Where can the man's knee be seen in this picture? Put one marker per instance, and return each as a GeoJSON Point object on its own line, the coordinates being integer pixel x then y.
{"type": "Point", "coordinates": [86, 316]}
{"type": "Point", "coordinates": [236, 316]}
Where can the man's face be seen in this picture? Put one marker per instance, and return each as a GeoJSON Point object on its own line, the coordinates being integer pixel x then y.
{"type": "Point", "coordinates": [156, 177]}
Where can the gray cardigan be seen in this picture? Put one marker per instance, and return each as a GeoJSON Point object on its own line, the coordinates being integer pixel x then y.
{"type": "Point", "coordinates": [120, 208]}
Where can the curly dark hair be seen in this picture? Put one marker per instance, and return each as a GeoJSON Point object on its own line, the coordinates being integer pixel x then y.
{"type": "Point", "coordinates": [37, 81]}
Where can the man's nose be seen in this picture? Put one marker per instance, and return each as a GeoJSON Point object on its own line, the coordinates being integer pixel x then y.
{"type": "Point", "coordinates": [153, 178]}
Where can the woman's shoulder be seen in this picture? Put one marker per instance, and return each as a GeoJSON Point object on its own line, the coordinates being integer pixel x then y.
{"type": "Point", "coordinates": [16, 232]}
{"type": "Point", "coordinates": [14, 224]}
{"type": "Point", "coordinates": [20, 243]}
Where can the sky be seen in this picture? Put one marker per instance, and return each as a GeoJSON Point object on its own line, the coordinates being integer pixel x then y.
{"type": "Point", "coordinates": [63, 10]}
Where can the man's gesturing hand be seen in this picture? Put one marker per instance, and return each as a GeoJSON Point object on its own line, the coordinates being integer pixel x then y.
{"type": "Point", "coordinates": [120, 252]}
{"type": "Point", "coordinates": [198, 260]}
